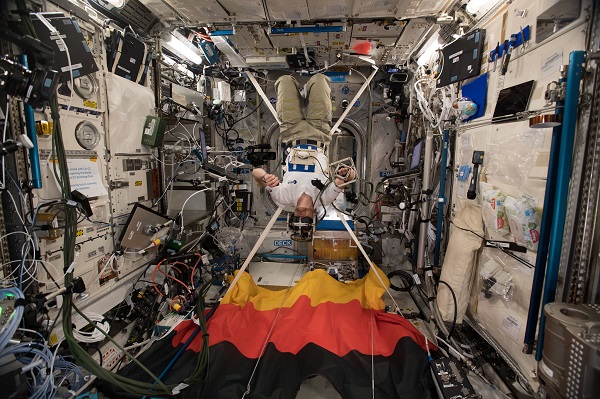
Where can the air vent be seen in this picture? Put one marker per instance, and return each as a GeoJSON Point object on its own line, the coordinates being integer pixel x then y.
{"type": "Point", "coordinates": [138, 15]}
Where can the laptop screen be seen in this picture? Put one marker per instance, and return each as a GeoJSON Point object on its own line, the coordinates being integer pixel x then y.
{"type": "Point", "coordinates": [203, 147]}
{"type": "Point", "coordinates": [511, 101]}
{"type": "Point", "coordinates": [415, 159]}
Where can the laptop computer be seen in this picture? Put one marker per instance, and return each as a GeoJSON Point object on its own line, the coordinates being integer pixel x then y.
{"type": "Point", "coordinates": [212, 168]}
{"type": "Point", "coordinates": [512, 101]}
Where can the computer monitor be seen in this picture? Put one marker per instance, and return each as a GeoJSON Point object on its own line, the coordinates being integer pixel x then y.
{"type": "Point", "coordinates": [415, 159]}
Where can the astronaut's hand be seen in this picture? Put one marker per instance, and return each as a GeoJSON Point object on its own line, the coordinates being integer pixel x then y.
{"type": "Point", "coordinates": [346, 174]}
{"type": "Point", "coordinates": [270, 180]}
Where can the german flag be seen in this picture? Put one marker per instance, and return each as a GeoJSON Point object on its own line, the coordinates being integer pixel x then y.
{"type": "Point", "coordinates": [267, 342]}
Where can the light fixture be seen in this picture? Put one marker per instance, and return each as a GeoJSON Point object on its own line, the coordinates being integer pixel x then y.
{"type": "Point", "coordinates": [116, 3]}
{"type": "Point", "coordinates": [172, 63]}
{"type": "Point", "coordinates": [480, 7]}
{"type": "Point", "coordinates": [182, 47]}
{"type": "Point", "coordinates": [431, 47]}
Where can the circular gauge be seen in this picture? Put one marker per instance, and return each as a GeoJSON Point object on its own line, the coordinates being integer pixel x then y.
{"type": "Point", "coordinates": [86, 86]}
{"type": "Point", "coordinates": [87, 135]}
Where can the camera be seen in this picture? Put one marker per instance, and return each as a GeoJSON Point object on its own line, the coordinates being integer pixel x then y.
{"type": "Point", "coordinates": [34, 87]}
{"type": "Point", "coordinates": [259, 154]}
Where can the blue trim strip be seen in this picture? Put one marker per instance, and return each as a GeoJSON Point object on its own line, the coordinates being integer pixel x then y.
{"type": "Point", "coordinates": [223, 32]}
{"type": "Point", "coordinates": [576, 60]}
{"type": "Point", "coordinates": [293, 167]}
{"type": "Point", "coordinates": [280, 256]}
{"type": "Point", "coordinates": [545, 227]}
{"type": "Point", "coordinates": [441, 198]}
{"type": "Point", "coordinates": [306, 29]}
{"type": "Point", "coordinates": [34, 157]}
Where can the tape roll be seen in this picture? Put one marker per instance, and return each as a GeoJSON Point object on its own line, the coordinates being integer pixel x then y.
{"type": "Point", "coordinates": [543, 121]}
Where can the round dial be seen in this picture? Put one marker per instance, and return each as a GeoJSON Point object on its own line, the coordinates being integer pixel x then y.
{"type": "Point", "coordinates": [87, 135]}
{"type": "Point", "coordinates": [86, 86]}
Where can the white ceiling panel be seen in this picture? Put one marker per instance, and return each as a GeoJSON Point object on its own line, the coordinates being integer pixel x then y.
{"type": "Point", "coordinates": [244, 10]}
{"type": "Point", "coordinates": [331, 9]}
{"type": "Point", "coordinates": [374, 9]}
{"type": "Point", "coordinates": [251, 40]}
{"type": "Point", "coordinates": [420, 8]}
{"type": "Point", "coordinates": [206, 11]}
{"type": "Point", "coordinates": [286, 10]}
{"type": "Point", "coordinates": [160, 9]}
{"type": "Point", "coordinates": [413, 31]}
{"type": "Point", "coordinates": [405, 46]}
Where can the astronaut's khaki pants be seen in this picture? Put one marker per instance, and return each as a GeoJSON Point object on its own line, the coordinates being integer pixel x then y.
{"type": "Point", "coordinates": [294, 124]}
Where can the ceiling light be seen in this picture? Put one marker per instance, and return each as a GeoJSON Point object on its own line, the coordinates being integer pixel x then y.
{"type": "Point", "coordinates": [480, 7]}
{"type": "Point", "coordinates": [116, 3]}
{"type": "Point", "coordinates": [433, 46]}
{"type": "Point", "coordinates": [182, 47]}
{"type": "Point", "coordinates": [171, 62]}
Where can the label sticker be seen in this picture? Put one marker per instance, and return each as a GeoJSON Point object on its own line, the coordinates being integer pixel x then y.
{"type": "Point", "coordinates": [512, 326]}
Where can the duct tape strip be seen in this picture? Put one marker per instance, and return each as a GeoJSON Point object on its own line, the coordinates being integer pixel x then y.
{"type": "Point", "coordinates": [260, 91]}
{"type": "Point", "coordinates": [358, 244]}
{"type": "Point", "coordinates": [255, 248]}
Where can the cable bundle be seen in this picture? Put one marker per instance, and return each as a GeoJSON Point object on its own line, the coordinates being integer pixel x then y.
{"type": "Point", "coordinates": [8, 330]}
{"type": "Point", "coordinates": [66, 371]}
{"type": "Point", "coordinates": [37, 359]}
{"type": "Point", "coordinates": [96, 332]}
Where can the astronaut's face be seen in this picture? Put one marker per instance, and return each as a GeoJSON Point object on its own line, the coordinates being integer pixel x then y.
{"type": "Point", "coordinates": [304, 206]}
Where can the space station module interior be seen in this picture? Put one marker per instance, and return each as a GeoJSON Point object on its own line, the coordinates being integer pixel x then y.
{"type": "Point", "coordinates": [300, 199]}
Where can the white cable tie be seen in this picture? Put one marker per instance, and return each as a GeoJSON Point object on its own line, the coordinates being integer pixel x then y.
{"type": "Point", "coordinates": [179, 388]}
{"type": "Point", "coordinates": [31, 365]}
{"type": "Point", "coordinates": [71, 268]}
{"type": "Point", "coordinates": [417, 279]}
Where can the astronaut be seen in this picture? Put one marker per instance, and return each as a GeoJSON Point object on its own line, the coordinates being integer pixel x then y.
{"type": "Point", "coordinates": [306, 183]}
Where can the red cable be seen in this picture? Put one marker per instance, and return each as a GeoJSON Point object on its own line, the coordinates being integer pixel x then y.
{"type": "Point", "coordinates": [194, 270]}
{"type": "Point", "coordinates": [154, 273]}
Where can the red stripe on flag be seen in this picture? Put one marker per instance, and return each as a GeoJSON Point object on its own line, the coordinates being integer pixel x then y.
{"type": "Point", "coordinates": [338, 328]}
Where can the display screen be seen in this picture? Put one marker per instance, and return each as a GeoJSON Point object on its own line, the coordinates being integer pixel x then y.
{"type": "Point", "coordinates": [415, 159]}
{"type": "Point", "coordinates": [203, 147]}
{"type": "Point", "coordinates": [511, 101]}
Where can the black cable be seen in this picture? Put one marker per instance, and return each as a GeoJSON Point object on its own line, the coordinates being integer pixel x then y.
{"type": "Point", "coordinates": [506, 251]}
{"type": "Point", "coordinates": [99, 353]}
{"type": "Point", "coordinates": [49, 274]}
{"type": "Point", "coordinates": [54, 321]}
{"type": "Point", "coordinates": [117, 364]}
{"type": "Point", "coordinates": [406, 277]}
{"type": "Point", "coordinates": [470, 231]}
{"type": "Point", "coordinates": [423, 298]}
{"type": "Point", "coordinates": [455, 308]}
{"type": "Point", "coordinates": [273, 250]}
{"type": "Point", "coordinates": [244, 117]}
